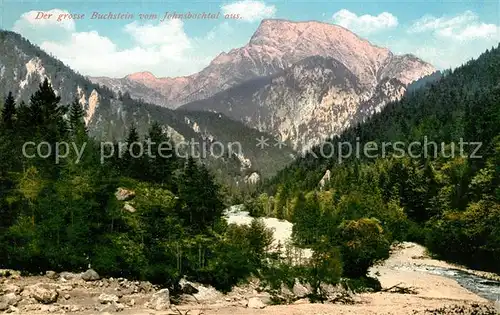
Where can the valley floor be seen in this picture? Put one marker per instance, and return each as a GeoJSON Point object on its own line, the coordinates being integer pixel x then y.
{"type": "Point", "coordinates": [434, 294]}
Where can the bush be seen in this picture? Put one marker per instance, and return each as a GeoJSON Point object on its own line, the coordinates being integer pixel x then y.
{"type": "Point", "coordinates": [363, 243]}
{"type": "Point", "coordinates": [254, 207]}
{"type": "Point", "coordinates": [240, 254]}
{"type": "Point", "coordinates": [325, 267]}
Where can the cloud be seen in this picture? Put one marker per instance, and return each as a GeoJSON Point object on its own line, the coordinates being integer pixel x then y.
{"type": "Point", "coordinates": [464, 27]}
{"type": "Point", "coordinates": [32, 19]}
{"type": "Point", "coordinates": [93, 54]}
{"type": "Point", "coordinates": [163, 48]}
{"type": "Point", "coordinates": [167, 37]}
{"type": "Point", "coordinates": [250, 10]}
{"type": "Point", "coordinates": [365, 24]}
{"type": "Point", "coordinates": [441, 52]}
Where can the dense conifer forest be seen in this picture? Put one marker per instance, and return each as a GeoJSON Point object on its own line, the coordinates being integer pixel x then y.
{"type": "Point", "coordinates": [448, 202]}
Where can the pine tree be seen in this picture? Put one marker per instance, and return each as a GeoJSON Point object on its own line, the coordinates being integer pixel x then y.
{"type": "Point", "coordinates": [133, 135]}
{"type": "Point", "coordinates": [46, 114]}
{"type": "Point", "coordinates": [162, 164]}
{"type": "Point", "coordinates": [200, 194]}
{"type": "Point", "coordinates": [306, 218]}
{"type": "Point", "coordinates": [134, 157]}
{"type": "Point", "coordinates": [23, 118]}
{"type": "Point", "coordinates": [77, 118]}
{"type": "Point", "coordinates": [9, 112]}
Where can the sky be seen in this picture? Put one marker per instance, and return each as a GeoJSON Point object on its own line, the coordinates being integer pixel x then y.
{"type": "Point", "coordinates": [445, 33]}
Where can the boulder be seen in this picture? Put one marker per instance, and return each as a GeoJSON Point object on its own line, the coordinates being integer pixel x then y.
{"type": "Point", "coordinates": [107, 298]}
{"type": "Point", "coordinates": [160, 301]}
{"type": "Point", "coordinates": [299, 290]}
{"type": "Point", "coordinates": [70, 308]}
{"type": "Point", "coordinates": [12, 309]}
{"type": "Point", "coordinates": [113, 308]}
{"type": "Point", "coordinates": [43, 295]}
{"type": "Point", "coordinates": [256, 303]}
{"type": "Point", "coordinates": [11, 299]}
{"type": "Point", "coordinates": [3, 306]}
{"type": "Point", "coordinates": [11, 288]}
{"type": "Point", "coordinates": [146, 287]}
{"type": "Point", "coordinates": [90, 275]}
{"type": "Point", "coordinates": [70, 275]}
{"type": "Point", "coordinates": [123, 194]}
{"type": "Point", "coordinates": [128, 207]}
{"type": "Point", "coordinates": [51, 274]}
{"type": "Point", "coordinates": [286, 294]}
{"type": "Point", "coordinates": [207, 293]}
{"type": "Point", "coordinates": [50, 308]}
{"type": "Point", "coordinates": [64, 288]}
{"type": "Point", "coordinates": [187, 287]}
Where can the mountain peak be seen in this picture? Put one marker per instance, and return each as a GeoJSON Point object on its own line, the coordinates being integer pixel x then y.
{"type": "Point", "coordinates": [288, 30]}
{"type": "Point", "coordinates": [140, 76]}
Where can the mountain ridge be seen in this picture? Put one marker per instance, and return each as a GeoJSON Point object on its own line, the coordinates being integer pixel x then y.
{"type": "Point", "coordinates": [312, 100]}
{"type": "Point", "coordinates": [274, 46]}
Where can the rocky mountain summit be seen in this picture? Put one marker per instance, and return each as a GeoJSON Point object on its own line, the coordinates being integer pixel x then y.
{"type": "Point", "coordinates": [300, 81]}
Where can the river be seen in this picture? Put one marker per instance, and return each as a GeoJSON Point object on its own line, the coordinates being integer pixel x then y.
{"type": "Point", "coordinates": [488, 289]}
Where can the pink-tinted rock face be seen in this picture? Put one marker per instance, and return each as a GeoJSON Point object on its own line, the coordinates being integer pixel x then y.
{"type": "Point", "coordinates": [276, 45]}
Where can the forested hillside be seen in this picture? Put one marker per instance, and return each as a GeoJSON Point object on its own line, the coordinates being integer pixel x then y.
{"type": "Point", "coordinates": [450, 202]}
{"type": "Point", "coordinates": [109, 116]}
{"type": "Point", "coordinates": [155, 218]}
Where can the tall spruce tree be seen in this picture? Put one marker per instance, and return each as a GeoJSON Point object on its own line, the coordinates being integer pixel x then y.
{"type": "Point", "coordinates": [47, 115]}
{"type": "Point", "coordinates": [9, 112]}
{"type": "Point", "coordinates": [77, 118]}
{"type": "Point", "coordinates": [133, 159]}
{"type": "Point", "coordinates": [162, 161]}
{"type": "Point", "coordinates": [200, 194]}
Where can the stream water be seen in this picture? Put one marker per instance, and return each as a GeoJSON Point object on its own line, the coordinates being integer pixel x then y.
{"type": "Point", "coordinates": [488, 289]}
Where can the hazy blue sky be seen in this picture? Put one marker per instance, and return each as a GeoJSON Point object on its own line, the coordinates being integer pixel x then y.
{"type": "Point", "coordinates": [445, 33]}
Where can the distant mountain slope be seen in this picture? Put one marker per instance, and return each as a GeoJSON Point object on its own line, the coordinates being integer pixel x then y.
{"type": "Point", "coordinates": [275, 46]}
{"type": "Point", "coordinates": [459, 104]}
{"type": "Point", "coordinates": [23, 66]}
{"type": "Point", "coordinates": [313, 99]}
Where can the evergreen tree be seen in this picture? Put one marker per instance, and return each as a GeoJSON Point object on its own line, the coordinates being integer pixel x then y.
{"type": "Point", "coordinates": [163, 161]}
{"type": "Point", "coordinates": [306, 218]}
{"type": "Point", "coordinates": [77, 118]}
{"type": "Point", "coordinates": [9, 112]}
{"type": "Point", "coordinates": [200, 194]}
{"type": "Point", "coordinates": [133, 135]}
{"type": "Point", "coordinates": [133, 159]}
{"type": "Point", "coordinates": [46, 115]}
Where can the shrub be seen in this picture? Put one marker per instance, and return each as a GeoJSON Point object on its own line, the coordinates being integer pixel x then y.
{"type": "Point", "coordinates": [363, 243]}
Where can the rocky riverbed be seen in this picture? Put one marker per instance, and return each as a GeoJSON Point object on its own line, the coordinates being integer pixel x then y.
{"type": "Point", "coordinates": [409, 289]}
